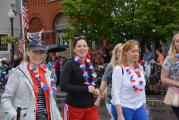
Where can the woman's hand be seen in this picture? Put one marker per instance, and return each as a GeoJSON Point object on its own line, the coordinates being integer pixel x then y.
{"type": "Point", "coordinates": [121, 117]}
{"type": "Point", "coordinates": [97, 91]}
{"type": "Point", "coordinates": [14, 118]}
{"type": "Point", "coordinates": [104, 93]}
{"type": "Point", "coordinates": [93, 90]}
{"type": "Point", "coordinates": [152, 61]}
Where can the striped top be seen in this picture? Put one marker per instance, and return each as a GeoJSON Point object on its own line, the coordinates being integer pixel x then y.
{"type": "Point", "coordinates": [41, 101]}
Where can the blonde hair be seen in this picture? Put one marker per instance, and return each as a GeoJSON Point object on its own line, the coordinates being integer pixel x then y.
{"type": "Point", "coordinates": [114, 58]}
{"type": "Point", "coordinates": [172, 51]}
{"type": "Point", "coordinates": [128, 45]}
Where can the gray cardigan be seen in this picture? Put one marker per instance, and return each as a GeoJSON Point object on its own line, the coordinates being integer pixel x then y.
{"type": "Point", "coordinates": [19, 92]}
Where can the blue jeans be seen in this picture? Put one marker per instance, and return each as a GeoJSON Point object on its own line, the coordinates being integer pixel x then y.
{"type": "Point", "coordinates": [138, 114]}
{"type": "Point", "coordinates": [113, 111]}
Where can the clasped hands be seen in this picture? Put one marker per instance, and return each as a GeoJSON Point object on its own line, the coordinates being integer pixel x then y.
{"type": "Point", "coordinates": [93, 90]}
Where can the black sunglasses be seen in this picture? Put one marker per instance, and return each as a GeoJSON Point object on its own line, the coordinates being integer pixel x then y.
{"type": "Point", "coordinates": [79, 38]}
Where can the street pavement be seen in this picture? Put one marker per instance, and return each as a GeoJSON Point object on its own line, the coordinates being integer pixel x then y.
{"type": "Point", "coordinates": [156, 109]}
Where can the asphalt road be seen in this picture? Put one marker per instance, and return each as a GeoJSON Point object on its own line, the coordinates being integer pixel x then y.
{"type": "Point", "coordinates": [156, 109]}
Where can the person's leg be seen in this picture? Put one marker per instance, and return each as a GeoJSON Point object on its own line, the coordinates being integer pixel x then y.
{"type": "Point", "coordinates": [128, 113]}
{"type": "Point", "coordinates": [113, 111]}
{"type": "Point", "coordinates": [72, 113]}
{"type": "Point", "coordinates": [176, 111]}
{"type": "Point", "coordinates": [91, 113]}
{"type": "Point", "coordinates": [58, 77]}
{"type": "Point", "coordinates": [140, 114]}
{"type": "Point", "coordinates": [108, 107]}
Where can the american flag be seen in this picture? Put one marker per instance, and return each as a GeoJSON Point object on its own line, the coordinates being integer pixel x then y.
{"type": "Point", "coordinates": [25, 15]}
{"type": "Point", "coordinates": [25, 25]}
{"type": "Point", "coordinates": [21, 45]}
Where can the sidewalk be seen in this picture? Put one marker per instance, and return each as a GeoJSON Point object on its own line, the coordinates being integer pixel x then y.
{"type": "Point", "coordinates": [2, 114]}
{"type": "Point", "coordinates": [156, 108]}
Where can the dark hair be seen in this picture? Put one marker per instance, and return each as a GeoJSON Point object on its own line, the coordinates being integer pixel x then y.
{"type": "Point", "coordinates": [159, 49]}
{"type": "Point", "coordinates": [76, 38]}
{"type": "Point", "coordinates": [149, 48]}
{"type": "Point", "coordinates": [163, 40]}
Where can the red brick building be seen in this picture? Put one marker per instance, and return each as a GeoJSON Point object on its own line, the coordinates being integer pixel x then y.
{"type": "Point", "coordinates": [47, 15]}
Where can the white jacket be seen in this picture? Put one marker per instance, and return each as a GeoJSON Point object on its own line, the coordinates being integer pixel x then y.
{"type": "Point", "coordinates": [19, 92]}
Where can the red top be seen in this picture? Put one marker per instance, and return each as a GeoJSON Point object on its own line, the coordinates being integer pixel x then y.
{"type": "Point", "coordinates": [35, 86]}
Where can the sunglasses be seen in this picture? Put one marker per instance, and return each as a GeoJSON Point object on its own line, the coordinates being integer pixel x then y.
{"type": "Point", "coordinates": [79, 38]}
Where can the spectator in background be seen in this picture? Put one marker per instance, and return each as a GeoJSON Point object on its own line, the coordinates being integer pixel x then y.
{"type": "Point", "coordinates": [164, 47]}
{"type": "Point", "coordinates": [157, 87]}
{"type": "Point", "coordinates": [57, 68]}
{"type": "Point", "coordinates": [142, 61]}
{"type": "Point", "coordinates": [106, 57]}
{"type": "Point", "coordinates": [99, 59]}
{"type": "Point", "coordinates": [62, 62]}
{"type": "Point", "coordinates": [4, 71]}
{"type": "Point", "coordinates": [49, 62]}
{"type": "Point", "coordinates": [148, 56]}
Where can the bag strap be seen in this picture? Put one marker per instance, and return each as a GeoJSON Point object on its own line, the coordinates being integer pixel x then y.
{"type": "Point", "coordinates": [122, 69]}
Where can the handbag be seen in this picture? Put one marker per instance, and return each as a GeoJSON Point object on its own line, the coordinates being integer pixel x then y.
{"type": "Point", "coordinates": [172, 97]}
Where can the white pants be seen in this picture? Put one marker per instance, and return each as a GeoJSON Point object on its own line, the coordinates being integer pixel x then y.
{"type": "Point", "coordinates": [147, 69]}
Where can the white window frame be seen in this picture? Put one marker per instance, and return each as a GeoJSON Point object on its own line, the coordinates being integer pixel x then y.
{"type": "Point", "coordinates": [3, 46]}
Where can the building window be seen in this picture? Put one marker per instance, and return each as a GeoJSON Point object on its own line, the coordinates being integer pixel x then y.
{"type": "Point", "coordinates": [50, 1]}
{"type": "Point", "coordinates": [3, 46]}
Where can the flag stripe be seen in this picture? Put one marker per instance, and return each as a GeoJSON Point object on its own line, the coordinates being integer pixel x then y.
{"type": "Point", "coordinates": [25, 16]}
{"type": "Point", "coordinates": [25, 24]}
{"type": "Point", "coordinates": [21, 45]}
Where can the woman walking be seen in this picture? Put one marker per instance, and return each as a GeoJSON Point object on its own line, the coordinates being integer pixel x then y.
{"type": "Point", "coordinates": [128, 85]}
{"type": "Point", "coordinates": [78, 79]}
{"type": "Point", "coordinates": [30, 88]}
{"type": "Point", "coordinates": [170, 71]}
{"type": "Point", "coordinates": [106, 83]}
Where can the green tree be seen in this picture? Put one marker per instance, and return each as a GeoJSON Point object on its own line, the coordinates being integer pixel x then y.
{"type": "Point", "coordinates": [90, 17]}
{"type": "Point", "coordinates": [117, 20]}
{"type": "Point", "coordinates": [10, 39]}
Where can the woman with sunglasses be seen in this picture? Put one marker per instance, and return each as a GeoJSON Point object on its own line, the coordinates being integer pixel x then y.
{"type": "Point", "coordinates": [78, 79]}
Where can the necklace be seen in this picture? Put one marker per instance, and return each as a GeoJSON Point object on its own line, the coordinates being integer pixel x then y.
{"type": "Point", "coordinates": [177, 55]}
{"type": "Point", "coordinates": [43, 83]}
{"type": "Point", "coordinates": [83, 68]}
{"type": "Point", "coordinates": [135, 78]}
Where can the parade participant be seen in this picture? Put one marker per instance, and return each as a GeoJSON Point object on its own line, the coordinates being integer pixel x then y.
{"type": "Point", "coordinates": [128, 85]}
{"type": "Point", "coordinates": [106, 82]}
{"type": "Point", "coordinates": [30, 87]}
{"type": "Point", "coordinates": [78, 80]}
{"type": "Point", "coordinates": [170, 71]}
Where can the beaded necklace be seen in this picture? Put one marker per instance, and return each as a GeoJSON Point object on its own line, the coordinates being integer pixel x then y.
{"type": "Point", "coordinates": [137, 84]}
{"type": "Point", "coordinates": [177, 56]}
{"type": "Point", "coordinates": [35, 72]}
{"type": "Point", "coordinates": [83, 68]}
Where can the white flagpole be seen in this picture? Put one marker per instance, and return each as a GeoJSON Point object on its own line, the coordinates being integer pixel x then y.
{"type": "Point", "coordinates": [23, 32]}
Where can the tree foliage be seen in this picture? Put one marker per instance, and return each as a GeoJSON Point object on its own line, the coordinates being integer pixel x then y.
{"type": "Point", "coordinates": [117, 20]}
{"type": "Point", "coordinates": [10, 39]}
